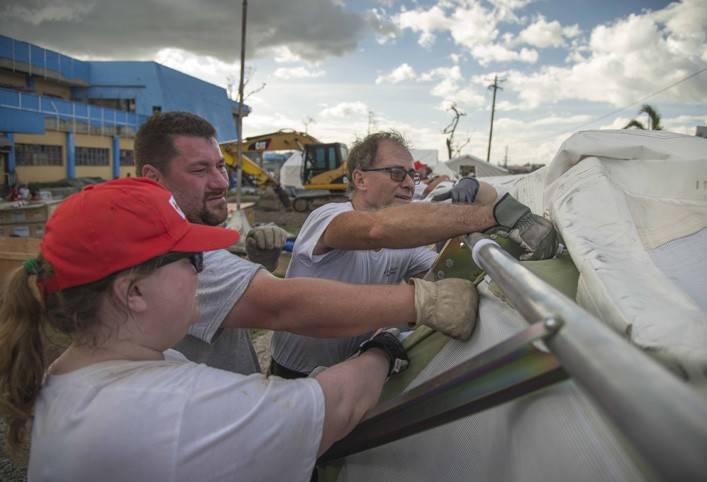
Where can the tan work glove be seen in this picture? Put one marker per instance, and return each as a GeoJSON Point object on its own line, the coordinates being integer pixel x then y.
{"type": "Point", "coordinates": [449, 306]}
{"type": "Point", "coordinates": [264, 244]}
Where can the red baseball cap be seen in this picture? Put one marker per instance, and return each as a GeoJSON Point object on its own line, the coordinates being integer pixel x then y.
{"type": "Point", "coordinates": [116, 225]}
{"type": "Point", "coordinates": [419, 165]}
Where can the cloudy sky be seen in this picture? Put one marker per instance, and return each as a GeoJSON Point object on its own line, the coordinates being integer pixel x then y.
{"type": "Point", "coordinates": [346, 66]}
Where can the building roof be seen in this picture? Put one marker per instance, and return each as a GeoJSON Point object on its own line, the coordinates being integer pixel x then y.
{"type": "Point", "coordinates": [481, 167]}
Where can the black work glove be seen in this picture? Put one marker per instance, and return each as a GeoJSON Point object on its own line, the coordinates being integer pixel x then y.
{"type": "Point", "coordinates": [389, 343]}
{"type": "Point", "coordinates": [464, 191]}
{"type": "Point", "coordinates": [534, 233]}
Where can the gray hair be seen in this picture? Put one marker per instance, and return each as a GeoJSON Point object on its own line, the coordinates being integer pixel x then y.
{"type": "Point", "coordinates": [364, 151]}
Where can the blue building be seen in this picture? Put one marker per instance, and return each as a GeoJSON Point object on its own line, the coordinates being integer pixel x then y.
{"type": "Point", "coordinates": [61, 117]}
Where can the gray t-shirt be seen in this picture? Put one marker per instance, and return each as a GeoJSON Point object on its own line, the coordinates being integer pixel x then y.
{"type": "Point", "coordinates": [222, 283]}
{"type": "Point", "coordinates": [385, 266]}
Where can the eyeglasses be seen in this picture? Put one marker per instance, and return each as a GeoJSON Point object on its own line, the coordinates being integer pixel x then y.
{"type": "Point", "coordinates": [196, 259]}
{"type": "Point", "coordinates": [397, 173]}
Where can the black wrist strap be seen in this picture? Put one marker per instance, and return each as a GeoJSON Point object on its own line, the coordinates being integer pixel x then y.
{"type": "Point", "coordinates": [389, 343]}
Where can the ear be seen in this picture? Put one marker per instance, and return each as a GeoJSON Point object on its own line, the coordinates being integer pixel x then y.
{"type": "Point", "coordinates": [358, 180]}
{"type": "Point", "coordinates": [129, 292]}
{"type": "Point", "coordinates": [151, 172]}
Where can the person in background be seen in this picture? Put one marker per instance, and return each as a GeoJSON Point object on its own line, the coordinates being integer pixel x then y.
{"type": "Point", "coordinates": [117, 273]}
{"type": "Point", "coordinates": [427, 183]}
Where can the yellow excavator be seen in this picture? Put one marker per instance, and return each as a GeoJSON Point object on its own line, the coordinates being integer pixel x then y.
{"type": "Point", "coordinates": [323, 165]}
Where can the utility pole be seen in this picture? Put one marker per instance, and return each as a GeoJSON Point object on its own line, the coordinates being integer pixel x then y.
{"type": "Point", "coordinates": [505, 158]}
{"type": "Point", "coordinates": [495, 87]}
{"type": "Point", "coordinates": [239, 175]}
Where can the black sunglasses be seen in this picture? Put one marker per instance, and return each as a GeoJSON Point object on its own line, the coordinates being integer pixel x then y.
{"type": "Point", "coordinates": [397, 173]}
{"type": "Point", "coordinates": [196, 259]}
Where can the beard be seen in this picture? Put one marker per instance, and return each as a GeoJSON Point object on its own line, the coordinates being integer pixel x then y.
{"type": "Point", "coordinates": [214, 215]}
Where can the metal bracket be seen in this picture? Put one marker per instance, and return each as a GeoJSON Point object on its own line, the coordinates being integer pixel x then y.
{"type": "Point", "coordinates": [508, 370]}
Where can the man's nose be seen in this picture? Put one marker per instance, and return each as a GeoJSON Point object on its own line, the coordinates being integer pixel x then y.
{"type": "Point", "coordinates": [218, 180]}
{"type": "Point", "coordinates": [408, 182]}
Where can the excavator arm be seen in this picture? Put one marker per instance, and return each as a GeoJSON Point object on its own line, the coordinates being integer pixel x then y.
{"type": "Point", "coordinates": [259, 175]}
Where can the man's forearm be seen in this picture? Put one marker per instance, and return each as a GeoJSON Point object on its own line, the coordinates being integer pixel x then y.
{"type": "Point", "coordinates": [323, 308]}
{"type": "Point", "coordinates": [407, 226]}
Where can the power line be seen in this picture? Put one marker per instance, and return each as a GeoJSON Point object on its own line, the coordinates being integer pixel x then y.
{"type": "Point", "coordinates": [642, 99]}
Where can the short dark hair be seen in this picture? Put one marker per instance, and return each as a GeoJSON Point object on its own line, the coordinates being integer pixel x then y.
{"type": "Point", "coordinates": [154, 143]}
{"type": "Point", "coordinates": [363, 151]}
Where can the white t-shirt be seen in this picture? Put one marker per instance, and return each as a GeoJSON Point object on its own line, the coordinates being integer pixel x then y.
{"type": "Point", "coordinates": [174, 420]}
{"type": "Point", "coordinates": [223, 281]}
{"type": "Point", "coordinates": [385, 266]}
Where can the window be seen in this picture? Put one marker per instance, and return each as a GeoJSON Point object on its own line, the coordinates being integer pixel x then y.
{"type": "Point", "coordinates": [38, 155]}
{"type": "Point", "coordinates": [92, 156]}
{"type": "Point", "coordinates": [126, 158]}
{"type": "Point", "coordinates": [127, 105]}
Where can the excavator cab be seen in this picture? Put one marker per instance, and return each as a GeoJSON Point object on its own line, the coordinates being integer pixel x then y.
{"type": "Point", "coordinates": [324, 166]}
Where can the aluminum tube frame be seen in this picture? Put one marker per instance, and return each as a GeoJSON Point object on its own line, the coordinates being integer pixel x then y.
{"type": "Point", "coordinates": [508, 370]}
{"type": "Point", "coordinates": [662, 416]}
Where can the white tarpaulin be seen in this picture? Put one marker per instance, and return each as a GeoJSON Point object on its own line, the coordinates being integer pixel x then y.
{"type": "Point", "coordinates": [291, 171]}
{"type": "Point", "coordinates": [632, 209]}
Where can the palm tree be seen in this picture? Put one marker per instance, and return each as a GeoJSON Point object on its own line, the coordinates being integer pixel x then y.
{"type": "Point", "coordinates": [653, 119]}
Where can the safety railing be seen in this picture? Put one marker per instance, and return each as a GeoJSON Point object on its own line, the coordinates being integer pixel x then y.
{"type": "Point", "coordinates": [69, 112]}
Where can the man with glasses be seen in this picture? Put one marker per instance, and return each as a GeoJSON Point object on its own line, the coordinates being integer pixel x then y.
{"type": "Point", "coordinates": [379, 237]}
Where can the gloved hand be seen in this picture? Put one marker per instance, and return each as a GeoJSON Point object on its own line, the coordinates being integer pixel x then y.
{"type": "Point", "coordinates": [263, 245]}
{"type": "Point", "coordinates": [393, 348]}
{"type": "Point", "coordinates": [534, 233]}
{"type": "Point", "coordinates": [448, 306]}
{"type": "Point", "coordinates": [464, 191]}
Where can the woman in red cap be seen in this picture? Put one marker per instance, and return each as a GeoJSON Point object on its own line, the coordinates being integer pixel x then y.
{"type": "Point", "coordinates": [117, 273]}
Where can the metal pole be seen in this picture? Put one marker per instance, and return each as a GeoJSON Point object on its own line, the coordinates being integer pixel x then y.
{"type": "Point", "coordinates": [663, 417]}
{"type": "Point", "coordinates": [239, 123]}
{"type": "Point", "coordinates": [511, 369]}
{"type": "Point", "coordinates": [495, 87]}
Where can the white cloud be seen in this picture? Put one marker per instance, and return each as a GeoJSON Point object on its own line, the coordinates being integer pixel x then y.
{"type": "Point", "coordinates": [345, 110]}
{"type": "Point", "coordinates": [453, 73]}
{"type": "Point", "coordinates": [203, 67]}
{"type": "Point", "coordinates": [572, 31]}
{"type": "Point", "coordinates": [471, 25]}
{"type": "Point", "coordinates": [486, 54]}
{"type": "Point", "coordinates": [399, 74]}
{"type": "Point", "coordinates": [297, 73]}
{"type": "Point", "coordinates": [543, 34]}
{"type": "Point", "coordinates": [626, 60]}
{"type": "Point", "coordinates": [426, 22]}
{"type": "Point", "coordinates": [557, 120]}
{"type": "Point", "coordinates": [282, 54]}
{"type": "Point", "coordinates": [383, 29]}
